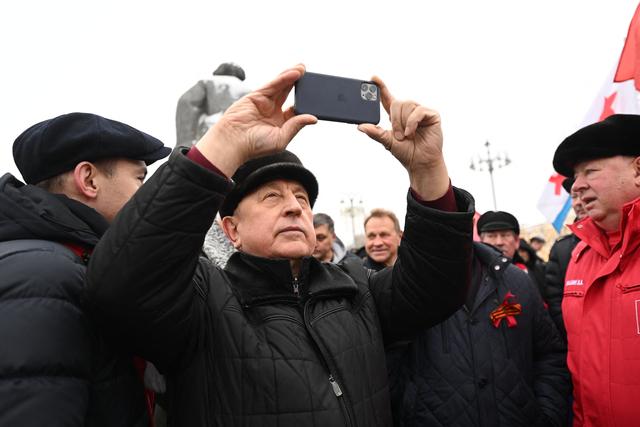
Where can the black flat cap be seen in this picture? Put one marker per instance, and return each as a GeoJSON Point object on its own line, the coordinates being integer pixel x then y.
{"type": "Point", "coordinates": [497, 220]}
{"type": "Point", "coordinates": [617, 135]}
{"type": "Point", "coordinates": [57, 145]}
{"type": "Point", "coordinates": [258, 171]}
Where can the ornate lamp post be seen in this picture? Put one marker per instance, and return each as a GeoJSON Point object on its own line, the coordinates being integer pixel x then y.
{"type": "Point", "coordinates": [490, 163]}
{"type": "Point", "coordinates": [352, 208]}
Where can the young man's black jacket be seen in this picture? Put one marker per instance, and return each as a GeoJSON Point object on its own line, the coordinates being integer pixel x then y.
{"type": "Point", "coordinates": [555, 270]}
{"type": "Point", "coordinates": [466, 372]}
{"type": "Point", "coordinates": [55, 368]}
{"type": "Point", "coordinates": [238, 346]}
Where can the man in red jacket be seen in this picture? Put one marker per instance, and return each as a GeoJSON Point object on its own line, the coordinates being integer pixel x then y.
{"type": "Point", "coordinates": [601, 302]}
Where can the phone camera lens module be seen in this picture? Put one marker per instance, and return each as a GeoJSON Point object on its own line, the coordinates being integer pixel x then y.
{"type": "Point", "coordinates": [364, 86]}
{"type": "Point", "coordinates": [372, 89]}
{"type": "Point", "coordinates": [368, 96]}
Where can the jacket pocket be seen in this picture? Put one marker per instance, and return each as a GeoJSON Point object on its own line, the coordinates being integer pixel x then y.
{"type": "Point", "coordinates": [572, 300]}
{"type": "Point", "coordinates": [626, 315]}
{"type": "Point", "coordinates": [625, 336]}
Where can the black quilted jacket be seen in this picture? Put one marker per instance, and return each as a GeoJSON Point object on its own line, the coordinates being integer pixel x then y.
{"type": "Point", "coordinates": [554, 272]}
{"type": "Point", "coordinates": [239, 347]}
{"type": "Point", "coordinates": [466, 372]}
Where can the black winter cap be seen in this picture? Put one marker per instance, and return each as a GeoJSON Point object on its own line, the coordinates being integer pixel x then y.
{"type": "Point", "coordinates": [497, 220]}
{"type": "Point", "coordinates": [617, 135]}
{"type": "Point", "coordinates": [567, 183]}
{"type": "Point", "coordinates": [57, 145]}
{"type": "Point", "coordinates": [255, 172]}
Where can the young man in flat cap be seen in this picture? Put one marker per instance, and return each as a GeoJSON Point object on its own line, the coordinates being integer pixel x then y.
{"type": "Point", "coordinates": [601, 302]}
{"type": "Point", "coordinates": [56, 369]}
{"type": "Point", "coordinates": [277, 338]}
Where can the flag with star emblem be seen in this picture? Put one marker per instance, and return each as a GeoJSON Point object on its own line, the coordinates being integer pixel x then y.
{"type": "Point", "coordinates": [618, 95]}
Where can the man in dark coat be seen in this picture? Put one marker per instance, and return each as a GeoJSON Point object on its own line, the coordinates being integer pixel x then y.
{"type": "Point", "coordinates": [559, 258]}
{"type": "Point", "coordinates": [277, 338]}
{"type": "Point", "coordinates": [502, 230]}
{"type": "Point", "coordinates": [498, 361]}
{"type": "Point", "coordinates": [55, 368]}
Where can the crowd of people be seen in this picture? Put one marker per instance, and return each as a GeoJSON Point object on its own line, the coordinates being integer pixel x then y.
{"type": "Point", "coordinates": [211, 294]}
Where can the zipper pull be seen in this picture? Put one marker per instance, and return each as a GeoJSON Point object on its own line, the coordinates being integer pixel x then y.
{"type": "Point", "coordinates": [334, 385]}
{"type": "Point", "coordinates": [296, 287]}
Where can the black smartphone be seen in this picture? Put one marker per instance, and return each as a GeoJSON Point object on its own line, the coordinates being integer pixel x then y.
{"type": "Point", "coordinates": [338, 99]}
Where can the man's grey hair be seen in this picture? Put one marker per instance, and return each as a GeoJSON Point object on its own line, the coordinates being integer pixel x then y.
{"type": "Point", "coordinates": [323, 219]}
{"type": "Point", "coordinates": [382, 213]}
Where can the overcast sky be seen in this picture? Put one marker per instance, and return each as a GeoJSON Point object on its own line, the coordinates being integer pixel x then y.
{"type": "Point", "coordinates": [519, 74]}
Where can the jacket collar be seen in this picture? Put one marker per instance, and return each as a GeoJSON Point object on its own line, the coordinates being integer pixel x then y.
{"type": "Point", "coordinates": [29, 212]}
{"type": "Point", "coordinates": [495, 264]}
{"type": "Point", "coordinates": [494, 260]}
{"type": "Point", "coordinates": [596, 238]}
{"type": "Point", "coordinates": [256, 280]}
{"type": "Point", "coordinates": [371, 264]}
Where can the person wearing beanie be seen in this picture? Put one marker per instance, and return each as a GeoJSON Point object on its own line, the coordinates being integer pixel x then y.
{"type": "Point", "coordinates": [537, 243]}
{"type": "Point", "coordinates": [57, 369]}
{"type": "Point", "coordinates": [600, 305]}
{"type": "Point", "coordinates": [277, 338]}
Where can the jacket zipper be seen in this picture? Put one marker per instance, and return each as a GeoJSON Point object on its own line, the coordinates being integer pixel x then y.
{"type": "Point", "coordinates": [335, 386]}
{"type": "Point", "coordinates": [575, 293]}
{"type": "Point", "coordinates": [628, 288]}
{"type": "Point", "coordinates": [296, 287]}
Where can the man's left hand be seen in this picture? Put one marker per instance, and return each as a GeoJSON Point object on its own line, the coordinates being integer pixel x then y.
{"type": "Point", "coordinates": [415, 140]}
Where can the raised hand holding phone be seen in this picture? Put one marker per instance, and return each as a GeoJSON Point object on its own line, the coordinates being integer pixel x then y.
{"type": "Point", "coordinates": [415, 139]}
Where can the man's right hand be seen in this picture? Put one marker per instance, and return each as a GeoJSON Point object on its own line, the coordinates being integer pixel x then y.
{"type": "Point", "coordinates": [255, 125]}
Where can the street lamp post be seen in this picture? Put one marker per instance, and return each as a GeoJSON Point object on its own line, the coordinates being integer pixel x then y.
{"type": "Point", "coordinates": [352, 208]}
{"type": "Point", "coordinates": [490, 163]}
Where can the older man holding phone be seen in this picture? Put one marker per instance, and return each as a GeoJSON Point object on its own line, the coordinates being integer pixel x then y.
{"type": "Point", "coordinates": [277, 338]}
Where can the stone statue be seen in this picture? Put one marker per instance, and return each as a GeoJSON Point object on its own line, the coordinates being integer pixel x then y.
{"type": "Point", "coordinates": [199, 107]}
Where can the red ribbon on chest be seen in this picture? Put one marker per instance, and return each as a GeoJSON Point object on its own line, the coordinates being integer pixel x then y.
{"type": "Point", "coordinates": [507, 310]}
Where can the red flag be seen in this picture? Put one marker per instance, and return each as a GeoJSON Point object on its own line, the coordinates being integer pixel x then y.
{"type": "Point", "coordinates": [629, 65]}
{"type": "Point", "coordinates": [617, 96]}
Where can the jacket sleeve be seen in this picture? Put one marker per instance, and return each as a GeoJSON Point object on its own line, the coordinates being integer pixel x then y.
{"type": "Point", "coordinates": [142, 277]}
{"type": "Point", "coordinates": [45, 341]}
{"type": "Point", "coordinates": [554, 284]}
{"type": "Point", "coordinates": [552, 383]}
{"type": "Point", "coordinates": [429, 280]}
